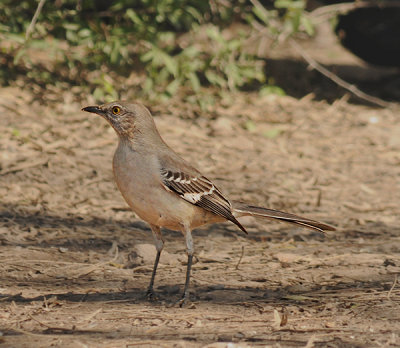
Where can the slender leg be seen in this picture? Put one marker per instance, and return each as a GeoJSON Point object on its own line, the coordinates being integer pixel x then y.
{"type": "Point", "coordinates": [190, 252]}
{"type": "Point", "coordinates": [159, 246]}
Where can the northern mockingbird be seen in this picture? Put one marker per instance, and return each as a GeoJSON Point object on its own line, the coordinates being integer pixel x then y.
{"type": "Point", "coordinates": [166, 191]}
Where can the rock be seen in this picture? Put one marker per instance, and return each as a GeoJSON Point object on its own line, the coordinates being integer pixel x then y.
{"type": "Point", "coordinates": [288, 257]}
{"type": "Point", "coordinates": [145, 254]}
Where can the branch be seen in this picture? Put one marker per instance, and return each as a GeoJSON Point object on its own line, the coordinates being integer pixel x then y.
{"type": "Point", "coordinates": [34, 19]}
{"type": "Point", "coordinates": [343, 8]}
{"type": "Point", "coordinates": [342, 83]}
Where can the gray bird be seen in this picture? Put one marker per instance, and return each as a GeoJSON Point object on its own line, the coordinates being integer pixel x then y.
{"type": "Point", "coordinates": [166, 191]}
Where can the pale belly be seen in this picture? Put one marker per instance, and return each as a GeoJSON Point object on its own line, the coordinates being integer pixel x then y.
{"type": "Point", "coordinates": [143, 191]}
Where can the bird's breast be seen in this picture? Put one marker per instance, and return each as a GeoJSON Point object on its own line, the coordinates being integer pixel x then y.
{"type": "Point", "coordinates": [135, 179]}
{"type": "Point", "coordinates": [139, 180]}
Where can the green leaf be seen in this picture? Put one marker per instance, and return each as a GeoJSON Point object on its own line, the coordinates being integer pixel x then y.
{"type": "Point", "coordinates": [215, 79]}
{"type": "Point", "coordinates": [170, 63]}
{"type": "Point", "coordinates": [268, 90]}
{"type": "Point", "coordinates": [250, 126]}
{"type": "Point", "coordinates": [83, 33]}
{"type": "Point", "coordinates": [308, 25]}
{"type": "Point", "coordinates": [173, 87]}
{"type": "Point", "coordinates": [71, 26]}
{"type": "Point", "coordinates": [16, 132]}
{"type": "Point", "coordinates": [19, 38]}
{"type": "Point", "coordinates": [18, 55]}
{"type": "Point", "coordinates": [147, 56]}
{"type": "Point", "coordinates": [290, 4]}
{"type": "Point", "coordinates": [262, 15]}
{"type": "Point", "coordinates": [272, 133]}
{"type": "Point", "coordinates": [131, 14]}
{"type": "Point", "coordinates": [148, 84]}
{"type": "Point", "coordinates": [194, 80]}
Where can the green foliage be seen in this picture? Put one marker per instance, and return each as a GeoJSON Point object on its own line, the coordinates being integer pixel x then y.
{"type": "Point", "coordinates": [224, 65]}
{"type": "Point", "coordinates": [95, 43]}
{"type": "Point", "coordinates": [288, 17]}
{"type": "Point", "coordinates": [294, 18]}
{"type": "Point", "coordinates": [271, 89]}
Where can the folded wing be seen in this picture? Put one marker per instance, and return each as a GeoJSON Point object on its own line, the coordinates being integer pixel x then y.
{"type": "Point", "coordinates": [200, 191]}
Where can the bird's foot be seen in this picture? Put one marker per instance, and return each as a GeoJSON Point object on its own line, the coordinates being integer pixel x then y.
{"type": "Point", "coordinates": [150, 295]}
{"type": "Point", "coordinates": [184, 301]}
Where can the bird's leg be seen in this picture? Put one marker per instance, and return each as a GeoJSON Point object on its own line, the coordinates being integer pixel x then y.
{"type": "Point", "coordinates": [190, 252]}
{"type": "Point", "coordinates": [186, 293]}
{"type": "Point", "coordinates": [159, 246]}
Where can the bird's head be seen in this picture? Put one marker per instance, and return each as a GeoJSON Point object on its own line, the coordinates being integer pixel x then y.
{"type": "Point", "coordinates": [126, 118]}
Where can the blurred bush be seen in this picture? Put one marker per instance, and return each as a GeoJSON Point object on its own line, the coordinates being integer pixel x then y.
{"type": "Point", "coordinates": [170, 45]}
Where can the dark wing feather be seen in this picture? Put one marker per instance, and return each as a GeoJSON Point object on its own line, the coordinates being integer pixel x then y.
{"type": "Point", "coordinates": [200, 191]}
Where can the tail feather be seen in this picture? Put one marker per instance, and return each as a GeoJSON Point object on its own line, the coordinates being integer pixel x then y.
{"type": "Point", "coordinates": [242, 209]}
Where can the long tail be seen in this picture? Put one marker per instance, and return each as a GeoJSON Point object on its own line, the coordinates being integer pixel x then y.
{"type": "Point", "coordinates": [243, 209]}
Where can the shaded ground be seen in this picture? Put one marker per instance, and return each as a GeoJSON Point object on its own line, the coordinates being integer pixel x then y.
{"type": "Point", "coordinates": [68, 243]}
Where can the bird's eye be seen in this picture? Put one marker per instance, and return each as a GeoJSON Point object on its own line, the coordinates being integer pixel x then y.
{"type": "Point", "coordinates": [116, 110]}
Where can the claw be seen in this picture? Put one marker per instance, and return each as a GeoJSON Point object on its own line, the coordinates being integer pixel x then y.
{"type": "Point", "coordinates": [150, 295]}
{"type": "Point", "coordinates": [184, 301]}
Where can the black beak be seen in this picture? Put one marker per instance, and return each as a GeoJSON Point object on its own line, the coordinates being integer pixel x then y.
{"type": "Point", "coordinates": [94, 110]}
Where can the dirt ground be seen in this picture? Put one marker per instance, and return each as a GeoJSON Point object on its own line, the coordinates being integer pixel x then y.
{"type": "Point", "coordinates": [75, 262]}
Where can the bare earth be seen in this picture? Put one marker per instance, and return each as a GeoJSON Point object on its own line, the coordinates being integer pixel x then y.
{"type": "Point", "coordinates": [75, 262]}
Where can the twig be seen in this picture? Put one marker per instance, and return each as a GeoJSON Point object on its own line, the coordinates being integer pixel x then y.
{"type": "Point", "coordinates": [342, 83]}
{"type": "Point", "coordinates": [91, 315]}
{"type": "Point", "coordinates": [391, 289]}
{"type": "Point", "coordinates": [25, 165]}
{"type": "Point", "coordinates": [319, 197]}
{"type": "Point", "coordinates": [240, 259]}
{"type": "Point", "coordinates": [145, 343]}
{"type": "Point", "coordinates": [92, 268]}
{"type": "Point", "coordinates": [49, 327]}
{"type": "Point", "coordinates": [310, 342]}
{"type": "Point", "coordinates": [24, 332]}
{"type": "Point", "coordinates": [34, 19]}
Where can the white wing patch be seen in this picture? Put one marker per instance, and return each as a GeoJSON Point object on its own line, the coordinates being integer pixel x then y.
{"type": "Point", "coordinates": [180, 180]}
{"type": "Point", "coordinates": [200, 191]}
{"type": "Point", "coordinates": [196, 197]}
{"type": "Point", "coordinates": [190, 188]}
